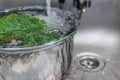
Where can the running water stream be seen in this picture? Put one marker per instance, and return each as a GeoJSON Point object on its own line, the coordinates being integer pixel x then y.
{"type": "Point", "coordinates": [48, 7]}
{"type": "Point", "coordinates": [60, 20]}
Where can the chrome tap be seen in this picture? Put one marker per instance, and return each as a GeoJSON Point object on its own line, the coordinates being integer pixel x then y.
{"type": "Point", "coordinates": [80, 6]}
{"type": "Point", "coordinates": [61, 3]}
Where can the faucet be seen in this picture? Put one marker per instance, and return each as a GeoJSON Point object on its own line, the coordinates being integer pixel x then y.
{"type": "Point", "coordinates": [80, 5]}
{"type": "Point", "coordinates": [61, 3]}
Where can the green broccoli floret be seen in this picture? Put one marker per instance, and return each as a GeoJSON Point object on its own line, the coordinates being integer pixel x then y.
{"type": "Point", "coordinates": [32, 31]}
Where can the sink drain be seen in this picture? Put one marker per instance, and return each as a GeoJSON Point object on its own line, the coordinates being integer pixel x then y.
{"type": "Point", "coordinates": [89, 62]}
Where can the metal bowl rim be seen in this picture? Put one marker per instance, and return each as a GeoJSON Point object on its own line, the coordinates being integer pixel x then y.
{"type": "Point", "coordinates": [39, 47]}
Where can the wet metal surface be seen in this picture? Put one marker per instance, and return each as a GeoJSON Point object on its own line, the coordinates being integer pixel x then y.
{"type": "Point", "coordinates": [45, 62]}
{"type": "Point", "coordinates": [99, 33]}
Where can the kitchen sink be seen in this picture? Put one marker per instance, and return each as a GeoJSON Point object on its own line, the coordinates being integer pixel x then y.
{"type": "Point", "coordinates": [101, 46]}
{"type": "Point", "coordinates": [96, 54]}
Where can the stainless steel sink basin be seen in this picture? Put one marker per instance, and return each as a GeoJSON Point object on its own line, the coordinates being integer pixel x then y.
{"type": "Point", "coordinates": [97, 43]}
{"type": "Point", "coordinates": [102, 44]}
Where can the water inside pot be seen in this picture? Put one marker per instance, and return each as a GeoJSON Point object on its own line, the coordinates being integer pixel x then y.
{"type": "Point", "coordinates": [59, 21]}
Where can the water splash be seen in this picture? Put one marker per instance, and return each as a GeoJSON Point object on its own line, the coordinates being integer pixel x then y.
{"type": "Point", "coordinates": [59, 20]}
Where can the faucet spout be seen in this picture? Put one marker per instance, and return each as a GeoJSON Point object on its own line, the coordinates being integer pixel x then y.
{"type": "Point", "coordinates": [81, 6]}
{"type": "Point", "coordinates": [61, 3]}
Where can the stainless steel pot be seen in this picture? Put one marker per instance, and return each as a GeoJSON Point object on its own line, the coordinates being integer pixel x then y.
{"type": "Point", "coordinates": [46, 62]}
